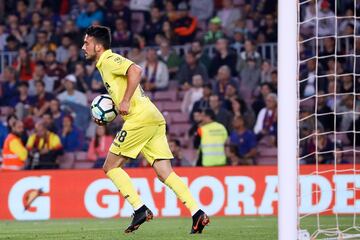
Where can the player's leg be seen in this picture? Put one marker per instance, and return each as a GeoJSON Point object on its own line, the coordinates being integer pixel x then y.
{"type": "Point", "coordinates": [113, 169]}
{"type": "Point", "coordinates": [166, 174]}
{"type": "Point", "coordinates": [127, 144]}
{"type": "Point", "coordinates": [156, 152]}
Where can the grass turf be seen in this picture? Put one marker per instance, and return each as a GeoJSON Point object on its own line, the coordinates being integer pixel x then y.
{"type": "Point", "coordinates": [254, 228]}
{"type": "Point", "coordinates": [160, 229]}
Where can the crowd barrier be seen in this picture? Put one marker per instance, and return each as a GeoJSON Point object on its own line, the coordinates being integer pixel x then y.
{"type": "Point", "coordinates": [221, 191]}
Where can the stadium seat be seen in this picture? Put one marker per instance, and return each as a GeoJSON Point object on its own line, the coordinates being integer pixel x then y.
{"type": "Point", "coordinates": [84, 165]}
{"type": "Point", "coordinates": [159, 105]}
{"type": "Point", "coordinates": [179, 130]}
{"type": "Point", "coordinates": [179, 117]}
{"type": "Point", "coordinates": [267, 156]}
{"type": "Point", "coordinates": [173, 85]}
{"type": "Point", "coordinates": [67, 160]}
{"type": "Point", "coordinates": [169, 95]}
{"type": "Point", "coordinates": [172, 106]}
{"type": "Point", "coordinates": [191, 155]}
{"type": "Point", "coordinates": [81, 156]}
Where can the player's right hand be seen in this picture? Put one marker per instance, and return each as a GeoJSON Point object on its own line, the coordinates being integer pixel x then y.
{"type": "Point", "coordinates": [99, 122]}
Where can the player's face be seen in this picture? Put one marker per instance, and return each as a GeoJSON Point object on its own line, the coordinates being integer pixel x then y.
{"type": "Point", "coordinates": [89, 47]}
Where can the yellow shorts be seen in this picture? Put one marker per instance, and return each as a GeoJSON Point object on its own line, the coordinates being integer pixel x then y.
{"type": "Point", "coordinates": [151, 141]}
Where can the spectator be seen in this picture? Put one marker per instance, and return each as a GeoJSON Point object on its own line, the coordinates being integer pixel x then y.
{"type": "Point", "coordinates": [266, 71]}
{"type": "Point", "coordinates": [203, 10]}
{"type": "Point", "coordinates": [325, 114]}
{"type": "Point", "coordinates": [70, 29]}
{"type": "Point", "coordinates": [198, 49]}
{"type": "Point", "coordinates": [239, 108]}
{"type": "Point", "coordinates": [223, 79]}
{"type": "Point", "coordinates": [222, 115]}
{"type": "Point", "coordinates": [48, 26]}
{"type": "Point", "coordinates": [259, 103]}
{"type": "Point", "coordinates": [99, 146]}
{"type": "Point", "coordinates": [326, 19]}
{"type": "Point", "coordinates": [185, 25]}
{"type": "Point", "coordinates": [74, 58]}
{"type": "Point", "coordinates": [250, 75]}
{"type": "Point", "coordinates": [154, 26]}
{"type": "Point", "coordinates": [92, 15]}
{"type": "Point", "coordinates": [269, 29]}
{"type": "Point", "coordinates": [62, 52]}
{"type": "Point", "coordinates": [248, 53]}
{"type": "Point", "coordinates": [12, 44]}
{"type": "Point", "coordinates": [136, 54]}
{"type": "Point", "coordinates": [54, 69]}
{"type": "Point", "coordinates": [231, 92]}
{"type": "Point", "coordinates": [169, 57]}
{"type": "Point", "coordinates": [188, 69]}
{"type": "Point", "coordinates": [266, 122]}
{"type": "Point", "coordinates": [49, 122]}
{"type": "Point", "coordinates": [229, 15]}
{"type": "Point", "coordinates": [70, 135]}
{"type": "Point", "coordinates": [83, 80]}
{"type": "Point", "coordinates": [36, 20]}
{"type": "Point", "coordinates": [119, 10]}
{"type": "Point", "coordinates": [203, 103]}
{"type": "Point", "coordinates": [155, 73]}
{"type": "Point", "coordinates": [22, 101]}
{"type": "Point", "coordinates": [345, 113]}
{"type": "Point", "coordinates": [214, 31]}
{"type": "Point", "coordinates": [168, 32]}
{"type": "Point", "coordinates": [194, 94]}
{"type": "Point", "coordinates": [56, 113]}
{"type": "Point", "coordinates": [24, 65]}
{"type": "Point", "coordinates": [179, 160]}
{"type": "Point", "coordinates": [39, 74]}
{"type": "Point", "coordinates": [71, 94]}
{"type": "Point", "coordinates": [42, 45]}
{"type": "Point", "coordinates": [211, 140]}
{"type": "Point", "coordinates": [41, 101]}
{"type": "Point", "coordinates": [223, 56]}
{"type": "Point", "coordinates": [122, 37]}
{"type": "Point", "coordinates": [320, 144]}
{"type": "Point", "coordinates": [9, 85]}
{"type": "Point", "coordinates": [44, 147]}
{"type": "Point", "coordinates": [307, 88]}
{"type": "Point", "coordinates": [3, 36]}
{"type": "Point", "coordinates": [140, 11]}
{"type": "Point", "coordinates": [14, 152]}
{"type": "Point", "coordinates": [241, 144]}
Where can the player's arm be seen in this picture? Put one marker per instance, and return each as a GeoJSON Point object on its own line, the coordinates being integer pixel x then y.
{"type": "Point", "coordinates": [133, 80]}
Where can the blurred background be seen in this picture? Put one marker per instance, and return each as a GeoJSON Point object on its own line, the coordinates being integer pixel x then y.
{"type": "Point", "coordinates": [196, 55]}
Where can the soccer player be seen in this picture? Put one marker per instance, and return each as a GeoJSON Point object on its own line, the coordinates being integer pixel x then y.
{"type": "Point", "coordinates": [143, 130]}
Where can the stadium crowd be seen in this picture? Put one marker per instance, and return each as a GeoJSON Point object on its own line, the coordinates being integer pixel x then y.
{"type": "Point", "coordinates": [46, 89]}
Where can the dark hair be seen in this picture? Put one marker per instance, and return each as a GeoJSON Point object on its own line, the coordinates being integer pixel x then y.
{"type": "Point", "coordinates": [40, 82]}
{"type": "Point", "coordinates": [210, 113]}
{"type": "Point", "coordinates": [176, 141]}
{"type": "Point", "coordinates": [242, 103]}
{"type": "Point", "coordinates": [101, 34]}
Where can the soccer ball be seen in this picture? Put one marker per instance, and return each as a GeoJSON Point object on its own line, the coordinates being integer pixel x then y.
{"type": "Point", "coordinates": [103, 108]}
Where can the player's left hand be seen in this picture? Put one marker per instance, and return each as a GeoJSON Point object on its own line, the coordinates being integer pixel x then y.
{"type": "Point", "coordinates": [124, 107]}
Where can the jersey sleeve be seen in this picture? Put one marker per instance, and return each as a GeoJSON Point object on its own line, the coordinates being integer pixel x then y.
{"type": "Point", "coordinates": [119, 65]}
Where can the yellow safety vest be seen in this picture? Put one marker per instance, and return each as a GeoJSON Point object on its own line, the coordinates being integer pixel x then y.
{"type": "Point", "coordinates": [213, 138]}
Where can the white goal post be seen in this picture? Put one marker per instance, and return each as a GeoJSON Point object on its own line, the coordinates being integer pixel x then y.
{"type": "Point", "coordinates": [287, 119]}
{"type": "Point", "coordinates": [319, 119]}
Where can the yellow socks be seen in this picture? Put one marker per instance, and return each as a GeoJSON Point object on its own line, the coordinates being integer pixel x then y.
{"type": "Point", "coordinates": [174, 182]}
{"type": "Point", "coordinates": [123, 182]}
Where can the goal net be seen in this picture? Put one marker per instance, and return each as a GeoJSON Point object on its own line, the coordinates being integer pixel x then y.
{"type": "Point", "coordinates": [328, 118]}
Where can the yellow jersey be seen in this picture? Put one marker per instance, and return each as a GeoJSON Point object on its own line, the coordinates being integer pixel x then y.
{"type": "Point", "coordinates": [113, 69]}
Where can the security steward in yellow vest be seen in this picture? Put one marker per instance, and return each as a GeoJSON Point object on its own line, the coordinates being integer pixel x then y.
{"type": "Point", "coordinates": [14, 151]}
{"type": "Point", "coordinates": [211, 138]}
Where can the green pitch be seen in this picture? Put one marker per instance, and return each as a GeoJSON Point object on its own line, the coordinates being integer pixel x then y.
{"type": "Point", "coordinates": [222, 228]}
